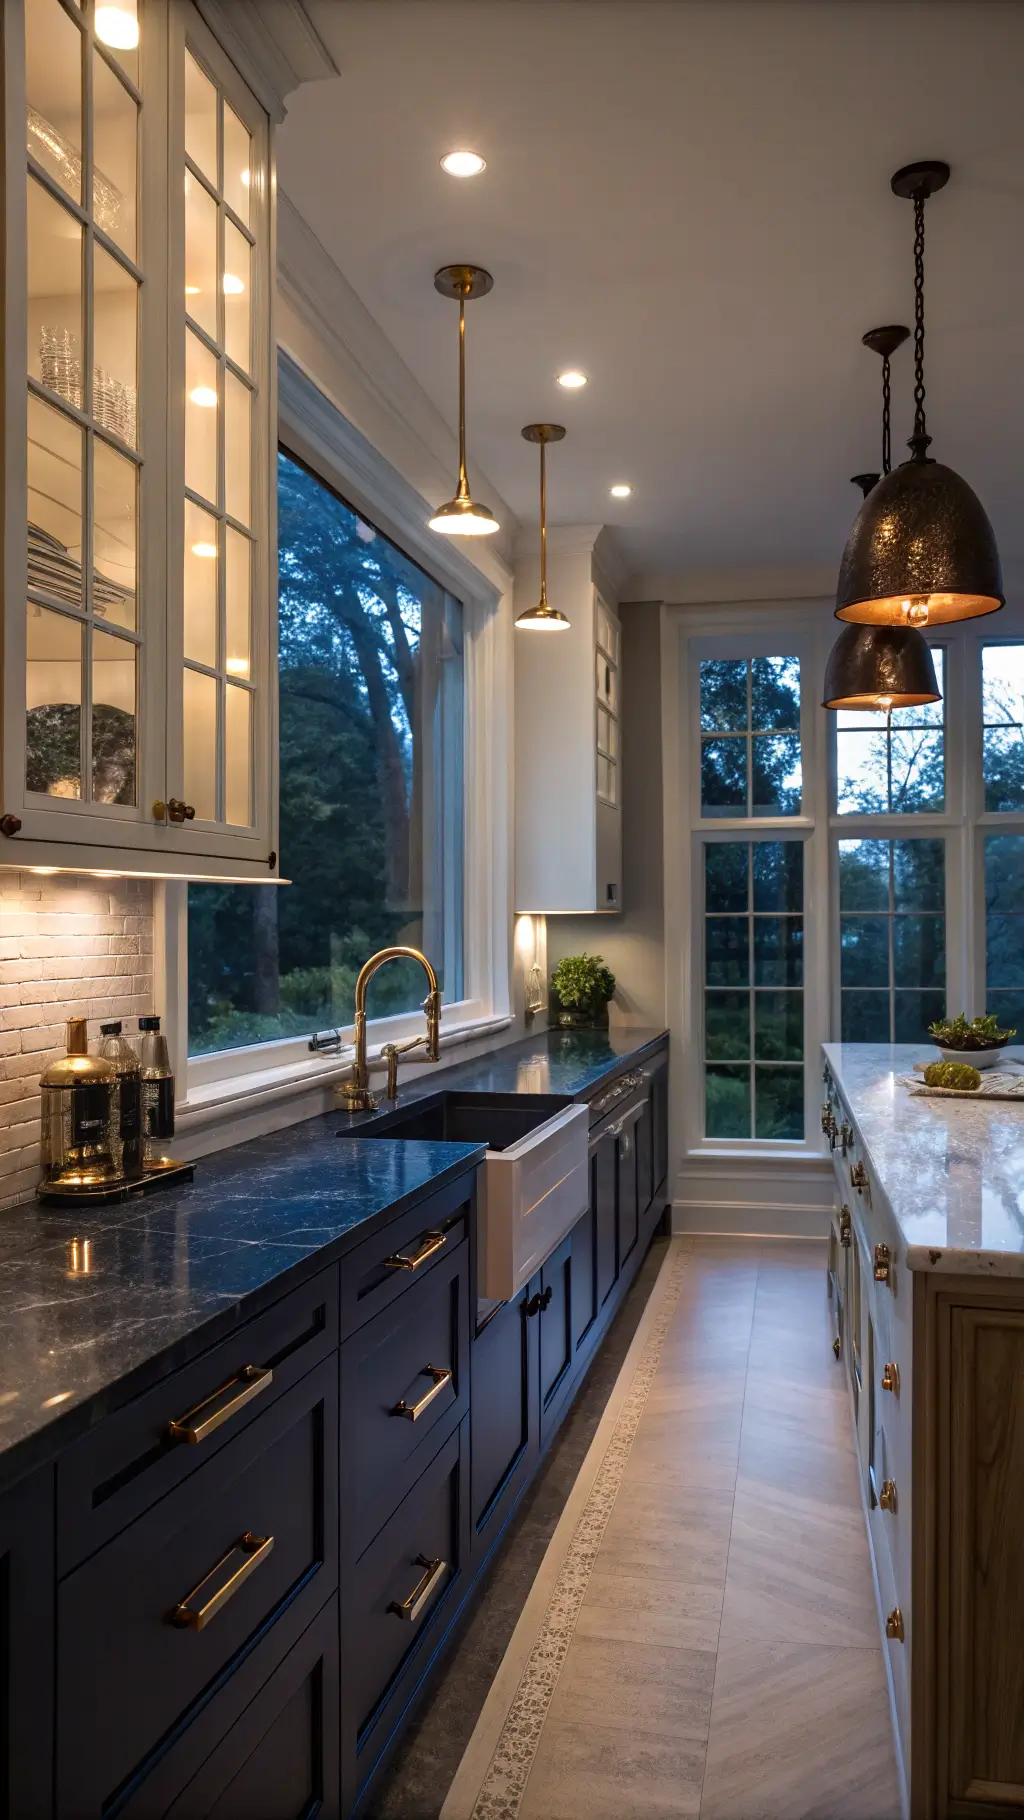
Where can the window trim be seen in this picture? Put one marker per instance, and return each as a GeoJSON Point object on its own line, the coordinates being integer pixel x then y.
{"type": "Point", "coordinates": [313, 429]}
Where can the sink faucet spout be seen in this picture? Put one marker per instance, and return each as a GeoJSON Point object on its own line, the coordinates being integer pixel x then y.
{"type": "Point", "coordinates": [355, 1093]}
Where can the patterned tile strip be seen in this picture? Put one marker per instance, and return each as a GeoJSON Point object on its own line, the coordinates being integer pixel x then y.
{"type": "Point", "coordinates": [503, 1786]}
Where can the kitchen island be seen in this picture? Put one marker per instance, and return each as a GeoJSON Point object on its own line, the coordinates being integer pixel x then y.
{"type": "Point", "coordinates": [926, 1279]}
{"type": "Point", "coordinates": [259, 1436]}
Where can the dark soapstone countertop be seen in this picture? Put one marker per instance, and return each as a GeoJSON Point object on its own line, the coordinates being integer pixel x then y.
{"type": "Point", "coordinates": [172, 1273]}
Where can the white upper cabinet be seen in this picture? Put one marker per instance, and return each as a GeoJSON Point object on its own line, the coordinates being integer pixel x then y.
{"type": "Point", "coordinates": [139, 563]}
{"type": "Point", "coordinates": [568, 745]}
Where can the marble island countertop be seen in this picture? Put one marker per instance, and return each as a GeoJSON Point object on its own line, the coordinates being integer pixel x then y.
{"type": "Point", "coordinates": [951, 1170]}
{"type": "Point", "coordinates": [168, 1275]}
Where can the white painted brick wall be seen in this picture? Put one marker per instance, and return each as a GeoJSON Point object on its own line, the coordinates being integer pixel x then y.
{"type": "Point", "coordinates": [69, 947]}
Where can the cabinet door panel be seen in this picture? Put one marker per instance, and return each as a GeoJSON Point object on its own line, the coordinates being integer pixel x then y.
{"type": "Point", "coordinates": [584, 1270]}
{"type": "Point", "coordinates": [555, 1321]}
{"type": "Point", "coordinates": [604, 1195]}
{"type": "Point", "coordinates": [659, 1122]}
{"type": "Point", "coordinates": [26, 1649]}
{"type": "Point", "coordinates": [628, 1224]}
{"type": "Point", "coordinates": [503, 1409]}
{"type": "Point", "coordinates": [986, 1494]}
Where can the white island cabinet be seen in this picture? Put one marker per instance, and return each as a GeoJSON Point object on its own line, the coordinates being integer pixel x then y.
{"type": "Point", "coordinates": [138, 399]}
{"type": "Point", "coordinates": [568, 708]}
{"type": "Point", "coordinates": [926, 1276]}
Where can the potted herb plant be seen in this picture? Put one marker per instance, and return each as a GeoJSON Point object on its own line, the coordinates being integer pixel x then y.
{"type": "Point", "coordinates": [581, 986]}
{"type": "Point", "coordinates": [981, 1039]}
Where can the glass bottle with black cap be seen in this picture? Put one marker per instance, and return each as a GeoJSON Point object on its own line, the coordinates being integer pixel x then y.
{"type": "Point", "coordinates": [126, 1101]}
{"type": "Point", "coordinates": [157, 1096]}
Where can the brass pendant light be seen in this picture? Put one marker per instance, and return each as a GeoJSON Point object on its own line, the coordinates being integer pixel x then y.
{"type": "Point", "coordinates": [880, 667]}
{"type": "Point", "coordinates": [921, 551]}
{"type": "Point", "coordinates": [542, 617]}
{"type": "Point", "coordinates": [461, 516]}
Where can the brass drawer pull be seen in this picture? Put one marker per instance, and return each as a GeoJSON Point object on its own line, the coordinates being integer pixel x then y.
{"type": "Point", "coordinates": [431, 1242]}
{"type": "Point", "coordinates": [197, 1423]}
{"type": "Point", "coordinates": [883, 1264]}
{"type": "Point", "coordinates": [441, 1375]}
{"type": "Point", "coordinates": [894, 1625]}
{"type": "Point", "coordinates": [410, 1608]}
{"type": "Point", "coordinates": [858, 1177]}
{"type": "Point", "coordinates": [891, 1378]}
{"type": "Point", "coordinates": [221, 1583]}
{"type": "Point", "coordinates": [888, 1497]}
{"type": "Point", "coordinates": [845, 1226]}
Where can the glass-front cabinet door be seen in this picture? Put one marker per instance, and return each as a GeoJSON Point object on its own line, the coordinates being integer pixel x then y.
{"type": "Point", "coordinates": [138, 624]}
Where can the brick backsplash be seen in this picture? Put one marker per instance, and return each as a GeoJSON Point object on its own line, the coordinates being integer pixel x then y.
{"type": "Point", "coordinates": [69, 947]}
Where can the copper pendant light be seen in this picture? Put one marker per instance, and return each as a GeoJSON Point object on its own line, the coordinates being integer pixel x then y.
{"type": "Point", "coordinates": [542, 617]}
{"type": "Point", "coordinates": [921, 551]}
{"type": "Point", "coordinates": [880, 667]}
{"type": "Point", "coordinates": [461, 516]}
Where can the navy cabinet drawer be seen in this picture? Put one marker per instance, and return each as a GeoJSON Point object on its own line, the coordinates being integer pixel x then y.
{"type": "Point", "coordinates": [404, 1252]}
{"type": "Point", "coordinates": [404, 1382]}
{"type": "Point", "coordinates": [148, 1629]}
{"type": "Point", "coordinates": [142, 1452]}
{"type": "Point", "coordinates": [398, 1591]}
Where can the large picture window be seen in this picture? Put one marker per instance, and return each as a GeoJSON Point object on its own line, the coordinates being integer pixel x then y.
{"type": "Point", "coordinates": [753, 993]}
{"type": "Point", "coordinates": [892, 933]}
{"type": "Point", "coordinates": [371, 792]}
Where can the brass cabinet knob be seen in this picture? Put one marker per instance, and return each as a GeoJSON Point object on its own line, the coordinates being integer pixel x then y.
{"type": "Point", "coordinates": [894, 1625]}
{"type": "Point", "coordinates": [845, 1226]}
{"type": "Point", "coordinates": [10, 825]}
{"type": "Point", "coordinates": [159, 810]}
{"type": "Point", "coordinates": [836, 1347]}
{"type": "Point", "coordinates": [858, 1177]}
{"type": "Point", "coordinates": [891, 1378]}
{"type": "Point", "coordinates": [178, 811]}
{"type": "Point", "coordinates": [887, 1496]}
{"type": "Point", "coordinates": [883, 1264]}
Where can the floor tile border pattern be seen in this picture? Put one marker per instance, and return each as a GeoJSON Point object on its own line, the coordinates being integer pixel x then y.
{"type": "Point", "coordinates": [505, 1779]}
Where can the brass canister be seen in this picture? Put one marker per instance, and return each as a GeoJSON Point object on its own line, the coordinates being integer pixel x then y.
{"type": "Point", "coordinates": [76, 1110]}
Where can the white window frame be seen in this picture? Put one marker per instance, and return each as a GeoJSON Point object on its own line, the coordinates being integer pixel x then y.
{"type": "Point", "coordinates": [311, 427]}
{"type": "Point", "coordinates": [808, 629]}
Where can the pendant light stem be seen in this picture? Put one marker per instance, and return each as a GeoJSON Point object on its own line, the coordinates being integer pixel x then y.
{"type": "Point", "coordinates": [920, 439]}
{"type": "Point", "coordinates": [886, 427]}
{"type": "Point", "coordinates": [543, 525]}
{"type": "Point", "coordinates": [463, 492]}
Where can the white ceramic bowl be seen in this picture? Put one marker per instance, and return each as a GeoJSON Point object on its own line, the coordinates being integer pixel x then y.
{"type": "Point", "coordinates": [977, 1058]}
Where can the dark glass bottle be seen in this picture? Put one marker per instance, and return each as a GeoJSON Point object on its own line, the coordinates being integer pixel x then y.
{"type": "Point", "coordinates": [157, 1095]}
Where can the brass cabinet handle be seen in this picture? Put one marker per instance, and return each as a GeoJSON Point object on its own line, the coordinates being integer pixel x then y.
{"type": "Point", "coordinates": [845, 1225]}
{"type": "Point", "coordinates": [197, 1423]}
{"type": "Point", "coordinates": [409, 1609]}
{"type": "Point", "coordinates": [894, 1625]}
{"type": "Point", "coordinates": [222, 1582]}
{"type": "Point", "coordinates": [178, 811]}
{"type": "Point", "coordinates": [887, 1497]}
{"type": "Point", "coordinates": [441, 1375]}
{"type": "Point", "coordinates": [845, 1136]}
{"type": "Point", "coordinates": [883, 1264]}
{"type": "Point", "coordinates": [837, 1346]}
{"type": "Point", "coordinates": [858, 1177]}
{"type": "Point", "coordinates": [159, 810]}
{"type": "Point", "coordinates": [891, 1378]}
{"type": "Point", "coordinates": [431, 1242]}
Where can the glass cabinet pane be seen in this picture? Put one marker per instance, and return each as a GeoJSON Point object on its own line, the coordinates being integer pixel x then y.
{"type": "Point", "coordinates": [115, 344]}
{"type": "Point", "coordinates": [200, 743]}
{"type": "Point", "coordinates": [201, 415]}
{"type": "Point", "coordinates": [200, 119]}
{"type": "Point", "coordinates": [53, 702]}
{"type": "Point", "coordinates": [237, 161]}
{"type": "Point", "coordinates": [54, 503]}
{"type": "Point", "coordinates": [200, 255]}
{"type": "Point", "coordinates": [200, 585]}
{"type": "Point", "coordinates": [53, 91]}
{"type": "Point", "coordinates": [238, 587]}
{"type": "Point", "coordinates": [236, 285]}
{"type": "Point", "coordinates": [54, 296]}
{"type": "Point", "coordinates": [115, 135]}
{"type": "Point", "coordinates": [113, 719]}
{"type": "Point", "coordinates": [115, 537]}
{"type": "Point", "coordinates": [237, 767]}
{"type": "Point", "coordinates": [237, 439]}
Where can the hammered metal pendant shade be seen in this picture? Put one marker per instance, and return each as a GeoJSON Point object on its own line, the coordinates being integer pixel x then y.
{"type": "Point", "coordinates": [921, 552]}
{"type": "Point", "coordinates": [880, 667]}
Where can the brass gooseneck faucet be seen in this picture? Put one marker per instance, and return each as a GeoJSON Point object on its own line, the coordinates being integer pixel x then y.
{"type": "Point", "coordinates": [355, 1093]}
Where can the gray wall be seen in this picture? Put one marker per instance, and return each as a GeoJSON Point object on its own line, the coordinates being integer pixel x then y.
{"type": "Point", "coordinates": [633, 944]}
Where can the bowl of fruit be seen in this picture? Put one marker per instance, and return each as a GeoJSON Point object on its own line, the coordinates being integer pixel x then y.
{"type": "Point", "coordinates": [980, 1041]}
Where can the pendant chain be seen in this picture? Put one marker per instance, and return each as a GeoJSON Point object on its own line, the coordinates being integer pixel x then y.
{"type": "Point", "coordinates": [886, 431]}
{"type": "Point", "coordinates": [920, 439]}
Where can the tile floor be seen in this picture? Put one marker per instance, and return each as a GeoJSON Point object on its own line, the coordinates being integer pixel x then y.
{"type": "Point", "coordinates": [726, 1662]}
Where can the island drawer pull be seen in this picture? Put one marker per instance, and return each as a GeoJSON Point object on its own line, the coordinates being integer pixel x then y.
{"type": "Point", "coordinates": [441, 1375]}
{"type": "Point", "coordinates": [197, 1423]}
{"type": "Point", "coordinates": [409, 1609]}
{"type": "Point", "coordinates": [431, 1242]}
{"type": "Point", "coordinates": [221, 1583]}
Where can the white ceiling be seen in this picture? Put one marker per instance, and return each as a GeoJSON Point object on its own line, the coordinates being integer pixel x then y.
{"type": "Point", "coordinates": [689, 199]}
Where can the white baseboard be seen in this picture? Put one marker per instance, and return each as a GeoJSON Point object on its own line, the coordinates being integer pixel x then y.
{"type": "Point", "coordinates": [743, 1219]}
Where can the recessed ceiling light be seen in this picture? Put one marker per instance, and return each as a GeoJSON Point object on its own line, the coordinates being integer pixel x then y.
{"type": "Point", "coordinates": [620, 490]}
{"type": "Point", "coordinates": [572, 380]}
{"type": "Point", "coordinates": [463, 164]}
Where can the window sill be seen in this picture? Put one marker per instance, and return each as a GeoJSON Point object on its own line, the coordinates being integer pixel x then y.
{"type": "Point", "coordinates": [757, 1154]}
{"type": "Point", "coordinates": [215, 1101]}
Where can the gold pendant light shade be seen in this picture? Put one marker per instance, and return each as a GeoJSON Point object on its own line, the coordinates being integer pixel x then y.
{"type": "Point", "coordinates": [462, 516]}
{"type": "Point", "coordinates": [543, 617]}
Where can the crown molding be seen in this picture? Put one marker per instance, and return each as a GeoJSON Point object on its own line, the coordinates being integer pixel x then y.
{"type": "Point", "coordinates": [273, 44]}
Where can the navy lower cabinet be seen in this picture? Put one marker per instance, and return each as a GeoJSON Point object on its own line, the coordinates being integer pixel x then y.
{"type": "Point", "coordinates": [224, 1589]}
